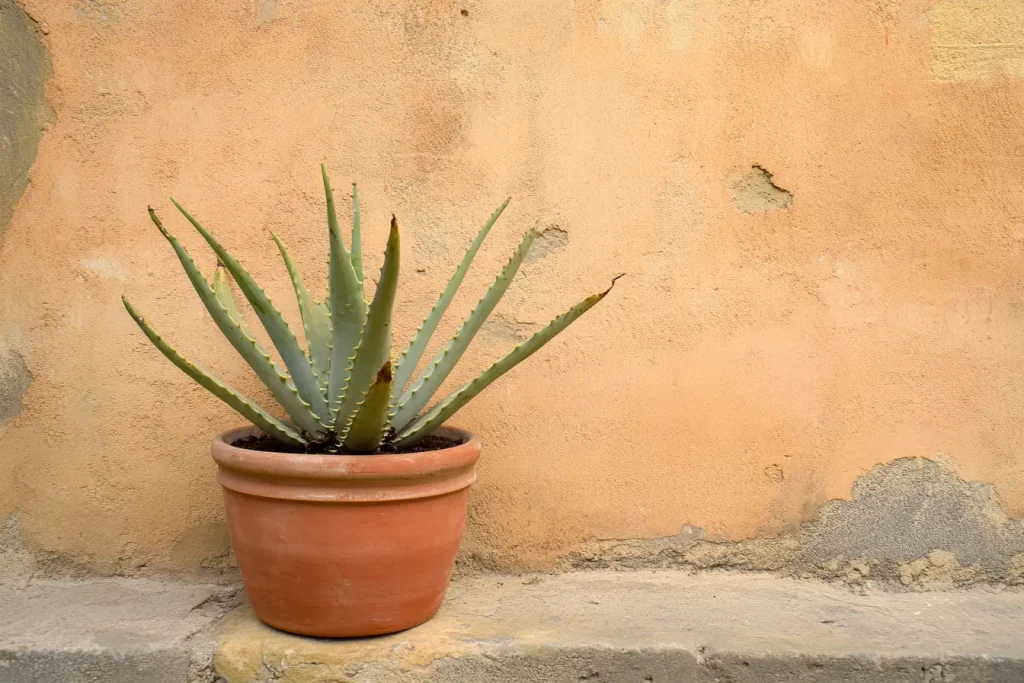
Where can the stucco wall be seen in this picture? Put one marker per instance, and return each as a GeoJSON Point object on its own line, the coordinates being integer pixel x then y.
{"type": "Point", "coordinates": [819, 206]}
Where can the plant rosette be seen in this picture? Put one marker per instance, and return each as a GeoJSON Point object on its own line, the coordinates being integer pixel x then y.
{"type": "Point", "coordinates": [346, 515]}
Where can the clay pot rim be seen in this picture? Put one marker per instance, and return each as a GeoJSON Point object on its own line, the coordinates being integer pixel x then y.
{"type": "Point", "coordinates": [317, 466]}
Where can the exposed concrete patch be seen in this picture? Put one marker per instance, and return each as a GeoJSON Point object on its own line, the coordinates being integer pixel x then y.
{"type": "Point", "coordinates": [907, 509]}
{"type": "Point", "coordinates": [105, 268]}
{"type": "Point", "coordinates": [506, 328]}
{"type": "Point", "coordinates": [754, 192]}
{"type": "Point", "coordinates": [909, 525]}
{"type": "Point", "coordinates": [977, 39]}
{"type": "Point", "coordinates": [15, 379]}
{"type": "Point", "coordinates": [266, 10]}
{"type": "Point", "coordinates": [552, 237]}
{"type": "Point", "coordinates": [23, 69]}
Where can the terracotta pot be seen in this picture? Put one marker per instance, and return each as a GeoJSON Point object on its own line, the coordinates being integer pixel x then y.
{"type": "Point", "coordinates": [335, 545]}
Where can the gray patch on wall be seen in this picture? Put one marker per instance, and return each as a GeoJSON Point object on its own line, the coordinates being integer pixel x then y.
{"type": "Point", "coordinates": [506, 328]}
{"type": "Point", "coordinates": [754, 192]}
{"type": "Point", "coordinates": [266, 10]}
{"type": "Point", "coordinates": [911, 524]}
{"type": "Point", "coordinates": [551, 237]}
{"type": "Point", "coordinates": [23, 69]}
{"type": "Point", "coordinates": [14, 381]}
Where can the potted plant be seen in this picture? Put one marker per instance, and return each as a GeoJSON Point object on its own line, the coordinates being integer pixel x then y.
{"type": "Point", "coordinates": [346, 517]}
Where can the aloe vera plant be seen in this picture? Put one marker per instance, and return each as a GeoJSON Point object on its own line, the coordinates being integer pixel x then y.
{"type": "Point", "coordinates": [344, 392]}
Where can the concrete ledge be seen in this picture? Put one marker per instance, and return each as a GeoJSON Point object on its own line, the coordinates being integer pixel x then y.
{"type": "Point", "coordinates": [629, 627]}
{"type": "Point", "coordinates": [657, 627]}
{"type": "Point", "coordinates": [111, 631]}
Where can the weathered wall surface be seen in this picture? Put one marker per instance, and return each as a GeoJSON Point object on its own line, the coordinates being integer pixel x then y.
{"type": "Point", "coordinates": [819, 205]}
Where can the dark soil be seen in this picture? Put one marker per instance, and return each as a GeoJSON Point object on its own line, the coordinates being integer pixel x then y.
{"type": "Point", "coordinates": [265, 443]}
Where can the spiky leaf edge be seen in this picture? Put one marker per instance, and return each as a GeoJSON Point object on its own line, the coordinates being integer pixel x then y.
{"type": "Point", "coordinates": [278, 382]}
{"type": "Point", "coordinates": [374, 348]}
{"type": "Point", "coordinates": [412, 401]}
{"type": "Point", "coordinates": [436, 416]}
{"type": "Point", "coordinates": [269, 424]}
{"type": "Point", "coordinates": [412, 354]}
{"type": "Point", "coordinates": [280, 334]}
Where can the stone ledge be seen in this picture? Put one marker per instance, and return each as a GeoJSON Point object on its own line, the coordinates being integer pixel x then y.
{"type": "Point", "coordinates": [657, 627]}
{"type": "Point", "coordinates": [109, 631]}
{"type": "Point", "coordinates": [600, 626]}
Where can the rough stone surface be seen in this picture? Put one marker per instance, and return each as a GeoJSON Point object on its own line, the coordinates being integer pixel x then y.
{"type": "Point", "coordinates": [747, 370]}
{"type": "Point", "coordinates": [23, 68]}
{"type": "Point", "coordinates": [909, 525]}
{"type": "Point", "coordinates": [110, 631]}
{"type": "Point", "coordinates": [656, 627]}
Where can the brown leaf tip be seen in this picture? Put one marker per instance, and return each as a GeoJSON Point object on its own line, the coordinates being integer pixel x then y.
{"type": "Point", "coordinates": [614, 280]}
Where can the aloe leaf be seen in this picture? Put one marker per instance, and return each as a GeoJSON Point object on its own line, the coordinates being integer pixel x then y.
{"type": "Point", "coordinates": [222, 288]}
{"type": "Point", "coordinates": [280, 334]}
{"type": "Point", "coordinates": [228, 320]}
{"type": "Point", "coordinates": [375, 345]}
{"type": "Point", "coordinates": [435, 417]}
{"type": "Point", "coordinates": [411, 356]}
{"type": "Point", "coordinates": [416, 397]}
{"type": "Point", "coordinates": [370, 422]}
{"type": "Point", "coordinates": [269, 424]}
{"type": "Point", "coordinates": [357, 240]}
{"type": "Point", "coordinates": [348, 308]}
{"type": "Point", "coordinates": [316, 320]}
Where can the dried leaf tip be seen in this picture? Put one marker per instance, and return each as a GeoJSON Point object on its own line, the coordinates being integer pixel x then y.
{"type": "Point", "coordinates": [614, 280]}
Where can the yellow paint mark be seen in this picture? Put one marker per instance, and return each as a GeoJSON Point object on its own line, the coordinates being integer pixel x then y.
{"type": "Point", "coordinates": [975, 40]}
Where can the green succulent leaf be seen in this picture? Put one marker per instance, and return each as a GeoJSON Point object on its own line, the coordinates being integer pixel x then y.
{"type": "Point", "coordinates": [410, 358]}
{"type": "Point", "coordinates": [348, 308]}
{"type": "Point", "coordinates": [370, 423]}
{"type": "Point", "coordinates": [435, 417]}
{"type": "Point", "coordinates": [225, 313]}
{"type": "Point", "coordinates": [316, 320]}
{"type": "Point", "coordinates": [269, 424]}
{"type": "Point", "coordinates": [429, 380]}
{"type": "Point", "coordinates": [222, 288]}
{"type": "Point", "coordinates": [374, 349]}
{"type": "Point", "coordinates": [280, 334]}
{"type": "Point", "coordinates": [357, 240]}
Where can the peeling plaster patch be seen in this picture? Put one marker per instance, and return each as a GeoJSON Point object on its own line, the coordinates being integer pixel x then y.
{"type": "Point", "coordinates": [977, 39]}
{"type": "Point", "coordinates": [506, 328]}
{"type": "Point", "coordinates": [98, 11]}
{"type": "Point", "coordinates": [266, 10]}
{"type": "Point", "coordinates": [911, 507]}
{"type": "Point", "coordinates": [23, 69]}
{"type": "Point", "coordinates": [754, 192]}
{"type": "Point", "coordinates": [15, 379]}
{"type": "Point", "coordinates": [911, 524]}
{"type": "Point", "coordinates": [551, 238]}
{"type": "Point", "coordinates": [106, 268]}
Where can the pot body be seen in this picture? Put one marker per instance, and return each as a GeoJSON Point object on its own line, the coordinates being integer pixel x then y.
{"type": "Point", "coordinates": [342, 546]}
